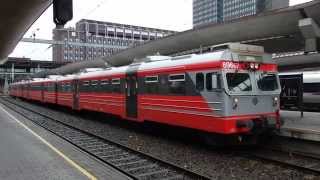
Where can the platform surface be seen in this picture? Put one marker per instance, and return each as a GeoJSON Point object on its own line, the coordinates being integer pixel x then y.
{"type": "Point", "coordinates": [23, 155]}
{"type": "Point", "coordinates": [306, 127]}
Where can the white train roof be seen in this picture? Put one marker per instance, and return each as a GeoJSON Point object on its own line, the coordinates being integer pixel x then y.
{"type": "Point", "coordinates": [153, 62]}
{"type": "Point", "coordinates": [231, 53]}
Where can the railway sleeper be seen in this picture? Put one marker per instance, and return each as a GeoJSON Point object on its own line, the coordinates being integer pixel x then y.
{"type": "Point", "coordinates": [142, 167]}
{"type": "Point", "coordinates": [123, 159]}
{"type": "Point", "coordinates": [130, 163]}
{"type": "Point", "coordinates": [106, 157]}
{"type": "Point", "coordinates": [149, 175]}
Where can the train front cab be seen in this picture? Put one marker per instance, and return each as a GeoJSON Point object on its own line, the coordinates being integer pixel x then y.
{"type": "Point", "coordinates": [244, 101]}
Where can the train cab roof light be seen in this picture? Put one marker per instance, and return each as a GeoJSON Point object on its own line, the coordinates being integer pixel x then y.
{"type": "Point", "coordinates": [253, 66]}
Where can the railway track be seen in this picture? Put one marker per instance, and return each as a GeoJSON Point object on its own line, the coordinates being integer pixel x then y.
{"type": "Point", "coordinates": [297, 155]}
{"type": "Point", "coordinates": [129, 160]}
{"type": "Point", "coordinates": [289, 159]}
{"type": "Point", "coordinates": [133, 163]}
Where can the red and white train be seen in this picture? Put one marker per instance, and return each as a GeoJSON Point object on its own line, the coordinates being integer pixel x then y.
{"type": "Point", "coordinates": [231, 91]}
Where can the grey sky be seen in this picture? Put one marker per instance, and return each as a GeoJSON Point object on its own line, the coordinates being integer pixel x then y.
{"type": "Point", "coordinates": [165, 14]}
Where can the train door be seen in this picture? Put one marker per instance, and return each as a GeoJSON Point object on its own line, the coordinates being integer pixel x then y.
{"type": "Point", "coordinates": [131, 94]}
{"type": "Point", "coordinates": [55, 84]}
{"type": "Point", "coordinates": [75, 87]}
{"type": "Point", "coordinates": [28, 91]}
{"type": "Point", "coordinates": [42, 89]}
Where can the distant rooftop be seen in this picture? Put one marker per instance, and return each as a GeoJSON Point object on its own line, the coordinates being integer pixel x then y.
{"type": "Point", "coordinates": [121, 25]}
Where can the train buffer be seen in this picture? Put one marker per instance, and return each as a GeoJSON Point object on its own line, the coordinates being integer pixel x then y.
{"type": "Point", "coordinates": [295, 126]}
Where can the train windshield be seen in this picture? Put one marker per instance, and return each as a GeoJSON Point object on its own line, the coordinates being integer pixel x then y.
{"type": "Point", "coordinates": [239, 82]}
{"type": "Point", "coordinates": [267, 81]}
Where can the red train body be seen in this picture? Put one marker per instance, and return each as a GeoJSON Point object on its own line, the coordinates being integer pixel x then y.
{"type": "Point", "coordinates": [233, 91]}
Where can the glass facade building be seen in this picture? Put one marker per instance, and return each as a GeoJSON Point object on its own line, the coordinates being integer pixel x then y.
{"type": "Point", "coordinates": [217, 11]}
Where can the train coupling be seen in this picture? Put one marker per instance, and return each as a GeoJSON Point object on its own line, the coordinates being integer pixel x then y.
{"type": "Point", "coordinates": [258, 124]}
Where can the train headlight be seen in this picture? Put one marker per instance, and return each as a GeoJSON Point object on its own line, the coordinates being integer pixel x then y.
{"type": "Point", "coordinates": [256, 66]}
{"type": "Point", "coordinates": [235, 103]}
{"type": "Point", "coordinates": [275, 101]}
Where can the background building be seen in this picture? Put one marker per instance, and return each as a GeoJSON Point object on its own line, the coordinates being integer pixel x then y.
{"type": "Point", "coordinates": [217, 11]}
{"type": "Point", "coordinates": [98, 39]}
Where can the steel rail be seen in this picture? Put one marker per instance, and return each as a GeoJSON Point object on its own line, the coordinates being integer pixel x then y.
{"type": "Point", "coordinates": [288, 159]}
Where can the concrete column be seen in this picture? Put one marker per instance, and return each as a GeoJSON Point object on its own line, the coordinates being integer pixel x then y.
{"type": "Point", "coordinates": [6, 86]}
{"type": "Point", "coordinates": [311, 32]}
{"type": "Point", "coordinates": [12, 72]}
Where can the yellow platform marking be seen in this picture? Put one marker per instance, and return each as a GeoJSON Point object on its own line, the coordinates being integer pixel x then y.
{"type": "Point", "coordinates": [71, 162]}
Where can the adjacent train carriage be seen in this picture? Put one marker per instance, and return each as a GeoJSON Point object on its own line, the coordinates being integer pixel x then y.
{"type": "Point", "coordinates": [25, 89]}
{"type": "Point", "coordinates": [36, 92]}
{"type": "Point", "coordinates": [300, 86]}
{"type": "Point", "coordinates": [18, 89]}
{"type": "Point", "coordinates": [102, 91]}
{"type": "Point", "coordinates": [50, 94]}
{"type": "Point", "coordinates": [64, 91]}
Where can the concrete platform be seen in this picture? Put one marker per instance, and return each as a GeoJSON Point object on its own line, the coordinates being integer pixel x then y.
{"type": "Point", "coordinates": [30, 152]}
{"type": "Point", "coordinates": [306, 127]}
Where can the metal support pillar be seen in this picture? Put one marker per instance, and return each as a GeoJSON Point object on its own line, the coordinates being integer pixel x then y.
{"type": "Point", "coordinates": [311, 32]}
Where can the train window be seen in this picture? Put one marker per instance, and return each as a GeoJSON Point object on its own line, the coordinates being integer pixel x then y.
{"type": "Point", "coordinates": [177, 84]}
{"type": "Point", "coordinates": [177, 77]}
{"type": "Point", "coordinates": [62, 87]}
{"type": "Point", "coordinates": [85, 83]}
{"type": "Point", "coordinates": [53, 87]}
{"type": "Point", "coordinates": [213, 81]}
{"type": "Point", "coordinates": [267, 82]}
{"type": "Point", "coordinates": [94, 82]}
{"type": "Point", "coordinates": [200, 81]}
{"type": "Point", "coordinates": [239, 82]}
{"type": "Point", "coordinates": [151, 85]}
{"type": "Point", "coordinates": [116, 81]}
{"type": "Point", "coordinates": [69, 87]}
{"type": "Point", "coordinates": [311, 87]}
{"type": "Point", "coordinates": [151, 79]}
{"type": "Point", "coordinates": [104, 82]}
{"type": "Point", "coordinates": [116, 85]}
